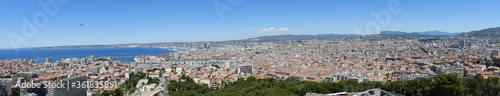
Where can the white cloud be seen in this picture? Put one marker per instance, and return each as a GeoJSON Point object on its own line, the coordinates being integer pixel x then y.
{"type": "Point", "coordinates": [272, 29]}
{"type": "Point", "coordinates": [283, 29]}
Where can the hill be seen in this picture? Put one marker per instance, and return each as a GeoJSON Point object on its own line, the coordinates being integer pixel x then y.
{"type": "Point", "coordinates": [304, 37]}
{"type": "Point", "coordinates": [413, 34]}
{"type": "Point", "coordinates": [489, 32]}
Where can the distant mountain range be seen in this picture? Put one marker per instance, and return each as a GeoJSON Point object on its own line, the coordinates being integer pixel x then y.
{"type": "Point", "coordinates": [337, 36]}
{"type": "Point", "coordinates": [305, 37]}
{"type": "Point", "coordinates": [412, 34]}
{"type": "Point", "coordinates": [489, 32]}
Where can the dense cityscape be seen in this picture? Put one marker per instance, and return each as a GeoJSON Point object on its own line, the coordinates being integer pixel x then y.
{"type": "Point", "coordinates": [215, 65]}
{"type": "Point", "coordinates": [249, 48]}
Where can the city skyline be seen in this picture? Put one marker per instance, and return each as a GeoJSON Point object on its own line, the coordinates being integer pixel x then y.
{"type": "Point", "coordinates": [76, 22]}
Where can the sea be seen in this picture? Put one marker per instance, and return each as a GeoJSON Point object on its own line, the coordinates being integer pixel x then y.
{"type": "Point", "coordinates": [39, 55]}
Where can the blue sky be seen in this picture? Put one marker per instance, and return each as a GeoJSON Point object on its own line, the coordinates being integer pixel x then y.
{"type": "Point", "coordinates": [136, 21]}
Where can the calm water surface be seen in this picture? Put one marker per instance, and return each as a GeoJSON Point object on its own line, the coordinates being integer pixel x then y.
{"type": "Point", "coordinates": [39, 55]}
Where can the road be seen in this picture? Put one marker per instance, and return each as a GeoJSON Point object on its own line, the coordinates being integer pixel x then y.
{"type": "Point", "coordinates": [165, 86]}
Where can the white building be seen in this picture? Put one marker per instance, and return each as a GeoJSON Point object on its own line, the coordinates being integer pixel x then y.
{"type": "Point", "coordinates": [5, 84]}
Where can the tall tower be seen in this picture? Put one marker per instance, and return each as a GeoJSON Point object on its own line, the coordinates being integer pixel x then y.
{"type": "Point", "coordinates": [494, 53]}
{"type": "Point", "coordinates": [92, 57]}
{"type": "Point", "coordinates": [487, 52]}
{"type": "Point", "coordinates": [227, 64]}
{"type": "Point", "coordinates": [48, 59]}
{"type": "Point", "coordinates": [462, 43]}
{"type": "Point", "coordinates": [206, 45]}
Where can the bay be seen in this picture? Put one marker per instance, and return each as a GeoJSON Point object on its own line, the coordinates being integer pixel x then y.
{"type": "Point", "coordinates": [39, 55]}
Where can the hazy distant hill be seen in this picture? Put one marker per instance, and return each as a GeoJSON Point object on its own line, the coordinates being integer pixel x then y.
{"type": "Point", "coordinates": [80, 47]}
{"type": "Point", "coordinates": [427, 33]}
{"type": "Point", "coordinates": [305, 37]}
{"type": "Point", "coordinates": [439, 33]}
{"type": "Point", "coordinates": [489, 32]}
{"type": "Point", "coordinates": [337, 36]}
{"type": "Point", "coordinates": [273, 38]}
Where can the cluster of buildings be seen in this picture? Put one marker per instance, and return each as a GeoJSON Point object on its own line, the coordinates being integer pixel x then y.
{"type": "Point", "coordinates": [383, 59]}
{"type": "Point", "coordinates": [72, 70]}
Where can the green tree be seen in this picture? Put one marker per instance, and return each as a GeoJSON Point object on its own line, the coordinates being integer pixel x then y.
{"type": "Point", "coordinates": [16, 91]}
{"type": "Point", "coordinates": [448, 84]}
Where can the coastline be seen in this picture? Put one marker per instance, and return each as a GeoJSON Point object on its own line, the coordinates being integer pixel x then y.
{"type": "Point", "coordinates": [39, 55]}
